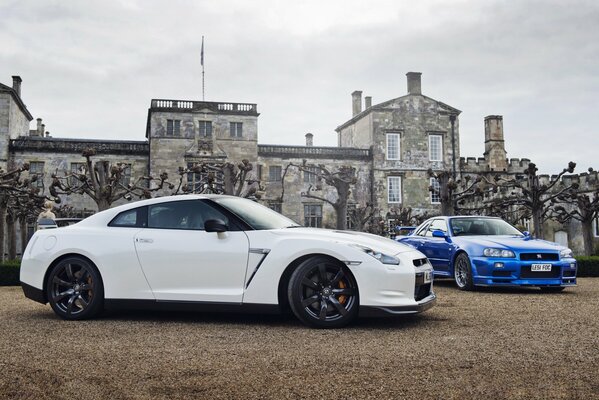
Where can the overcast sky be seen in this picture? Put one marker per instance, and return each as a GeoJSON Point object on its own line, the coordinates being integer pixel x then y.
{"type": "Point", "coordinates": [90, 69]}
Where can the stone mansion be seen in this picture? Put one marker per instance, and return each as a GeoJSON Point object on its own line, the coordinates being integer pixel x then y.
{"type": "Point", "coordinates": [391, 145]}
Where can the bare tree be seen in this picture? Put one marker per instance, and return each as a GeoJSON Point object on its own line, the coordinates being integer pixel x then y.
{"type": "Point", "coordinates": [104, 182]}
{"type": "Point", "coordinates": [453, 192]}
{"type": "Point", "coordinates": [219, 178]}
{"type": "Point", "coordinates": [341, 180]}
{"type": "Point", "coordinates": [582, 204]}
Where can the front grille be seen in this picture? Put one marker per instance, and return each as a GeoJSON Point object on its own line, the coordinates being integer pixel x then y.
{"type": "Point", "coordinates": [419, 262]}
{"type": "Point", "coordinates": [555, 272]}
{"type": "Point", "coordinates": [422, 291]}
{"type": "Point", "coordinates": [539, 256]}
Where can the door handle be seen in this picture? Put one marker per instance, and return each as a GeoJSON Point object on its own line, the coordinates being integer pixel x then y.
{"type": "Point", "coordinates": [143, 240]}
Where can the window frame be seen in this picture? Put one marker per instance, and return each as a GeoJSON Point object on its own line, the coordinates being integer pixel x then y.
{"type": "Point", "coordinates": [430, 146]}
{"type": "Point", "coordinates": [398, 150]}
{"type": "Point", "coordinates": [399, 194]}
{"type": "Point", "coordinates": [175, 127]}
{"type": "Point", "coordinates": [311, 217]}
{"type": "Point", "coordinates": [270, 173]}
{"type": "Point", "coordinates": [236, 129]}
{"type": "Point", "coordinates": [205, 124]}
{"type": "Point", "coordinates": [434, 182]}
{"type": "Point", "coordinates": [310, 174]}
{"type": "Point", "coordinates": [39, 182]}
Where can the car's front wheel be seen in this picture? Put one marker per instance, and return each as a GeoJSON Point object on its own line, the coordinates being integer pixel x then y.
{"type": "Point", "coordinates": [323, 293]}
{"type": "Point", "coordinates": [74, 289]}
{"type": "Point", "coordinates": [462, 272]}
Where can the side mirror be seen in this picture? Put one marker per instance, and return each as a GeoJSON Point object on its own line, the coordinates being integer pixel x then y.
{"type": "Point", "coordinates": [440, 234]}
{"type": "Point", "coordinates": [215, 225]}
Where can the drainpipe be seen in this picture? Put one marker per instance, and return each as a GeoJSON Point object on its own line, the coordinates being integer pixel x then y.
{"type": "Point", "coordinates": [452, 120]}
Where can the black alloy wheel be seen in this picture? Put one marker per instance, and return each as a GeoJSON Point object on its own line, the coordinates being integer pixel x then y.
{"type": "Point", "coordinates": [74, 289]}
{"type": "Point", "coordinates": [323, 293]}
{"type": "Point", "coordinates": [462, 272]}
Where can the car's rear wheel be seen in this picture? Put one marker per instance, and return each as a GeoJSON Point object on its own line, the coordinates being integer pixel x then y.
{"type": "Point", "coordinates": [74, 289]}
{"type": "Point", "coordinates": [462, 272]}
{"type": "Point", "coordinates": [552, 289]}
{"type": "Point", "coordinates": [323, 293]}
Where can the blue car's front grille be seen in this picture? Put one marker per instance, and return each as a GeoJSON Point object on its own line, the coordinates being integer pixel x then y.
{"type": "Point", "coordinates": [539, 256]}
{"type": "Point", "coordinates": [555, 272]}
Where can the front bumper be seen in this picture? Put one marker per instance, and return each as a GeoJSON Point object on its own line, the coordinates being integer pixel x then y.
{"type": "Point", "coordinates": [382, 311]}
{"type": "Point", "coordinates": [514, 272]}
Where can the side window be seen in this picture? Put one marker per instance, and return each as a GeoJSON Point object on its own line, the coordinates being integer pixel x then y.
{"type": "Point", "coordinates": [437, 225]}
{"type": "Point", "coordinates": [187, 215]}
{"type": "Point", "coordinates": [422, 230]}
{"type": "Point", "coordinates": [135, 218]}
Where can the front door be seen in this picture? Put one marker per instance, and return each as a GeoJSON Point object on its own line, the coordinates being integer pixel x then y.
{"type": "Point", "coordinates": [183, 262]}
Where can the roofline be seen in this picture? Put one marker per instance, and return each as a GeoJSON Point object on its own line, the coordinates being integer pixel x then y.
{"type": "Point", "coordinates": [380, 106]}
{"type": "Point", "coordinates": [18, 100]}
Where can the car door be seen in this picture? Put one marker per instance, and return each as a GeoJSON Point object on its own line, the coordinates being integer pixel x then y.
{"type": "Point", "coordinates": [183, 262]}
{"type": "Point", "coordinates": [416, 239]}
{"type": "Point", "coordinates": [437, 249]}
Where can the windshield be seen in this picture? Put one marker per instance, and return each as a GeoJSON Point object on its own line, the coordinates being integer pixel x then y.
{"type": "Point", "coordinates": [255, 215]}
{"type": "Point", "coordinates": [481, 226]}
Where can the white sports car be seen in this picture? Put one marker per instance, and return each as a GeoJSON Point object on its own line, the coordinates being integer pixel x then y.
{"type": "Point", "coordinates": [210, 252]}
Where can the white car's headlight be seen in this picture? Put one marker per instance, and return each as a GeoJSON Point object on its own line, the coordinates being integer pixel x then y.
{"type": "Point", "coordinates": [566, 253]}
{"type": "Point", "coordinates": [490, 252]}
{"type": "Point", "coordinates": [384, 258]}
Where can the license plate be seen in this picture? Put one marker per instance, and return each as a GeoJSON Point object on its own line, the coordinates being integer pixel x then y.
{"type": "Point", "coordinates": [540, 267]}
{"type": "Point", "coordinates": [428, 276]}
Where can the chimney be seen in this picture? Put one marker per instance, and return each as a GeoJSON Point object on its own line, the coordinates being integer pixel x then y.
{"type": "Point", "coordinates": [16, 84]}
{"type": "Point", "coordinates": [495, 154]}
{"type": "Point", "coordinates": [414, 84]}
{"type": "Point", "coordinates": [309, 139]}
{"type": "Point", "coordinates": [42, 130]}
{"type": "Point", "coordinates": [39, 127]}
{"type": "Point", "coordinates": [356, 102]}
{"type": "Point", "coordinates": [368, 100]}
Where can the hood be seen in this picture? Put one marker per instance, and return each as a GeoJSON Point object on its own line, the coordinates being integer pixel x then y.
{"type": "Point", "coordinates": [509, 242]}
{"type": "Point", "coordinates": [374, 242]}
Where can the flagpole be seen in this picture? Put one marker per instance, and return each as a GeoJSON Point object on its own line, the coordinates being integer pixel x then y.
{"type": "Point", "coordinates": [203, 93]}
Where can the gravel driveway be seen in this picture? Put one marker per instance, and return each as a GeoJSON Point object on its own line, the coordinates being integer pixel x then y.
{"type": "Point", "coordinates": [494, 344]}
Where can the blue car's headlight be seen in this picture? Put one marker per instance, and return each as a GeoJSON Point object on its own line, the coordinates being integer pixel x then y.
{"type": "Point", "coordinates": [490, 252]}
{"type": "Point", "coordinates": [566, 253]}
{"type": "Point", "coordinates": [384, 258]}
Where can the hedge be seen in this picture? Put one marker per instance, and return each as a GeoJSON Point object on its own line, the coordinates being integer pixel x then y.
{"type": "Point", "coordinates": [588, 266]}
{"type": "Point", "coordinates": [9, 273]}
{"type": "Point", "coordinates": [9, 270]}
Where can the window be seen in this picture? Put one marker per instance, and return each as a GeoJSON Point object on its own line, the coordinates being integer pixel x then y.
{"type": "Point", "coordinates": [278, 207]}
{"type": "Point", "coordinates": [203, 182]}
{"type": "Point", "coordinates": [188, 215]}
{"type": "Point", "coordinates": [423, 229]}
{"type": "Point", "coordinates": [136, 218]}
{"type": "Point", "coordinates": [394, 189]}
{"type": "Point", "coordinates": [274, 173]}
{"type": "Point", "coordinates": [36, 168]}
{"type": "Point", "coordinates": [435, 147]}
{"type": "Point", "coordinates": [393, 146]}
{"type": "Point", "coordinates": [596, 227]}
{"type": "Point", "coordinates": [435, 195]}
{"type": "Point", "coordinates": [437, 225]}
{"type": "Point", "coordinates": [126, 176]}
{"type": "Point", "coordinates": [351, 217]}
{"type": "Point", "coordinates": [236, 129]}
{"type": "Point", "coordinates": [310, 174]}
{"type": "Point", "coordinates": [205, 128]}
{"type": "Point", "coordinates": [173, 127]}
{"type": "Point", "coordinates": [313, 215]}
{"type": "Point", "coordinates": [76, 168]}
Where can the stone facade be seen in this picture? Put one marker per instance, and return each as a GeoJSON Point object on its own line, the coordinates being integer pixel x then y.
{"type": "Point", "coordinates": [391, 145]}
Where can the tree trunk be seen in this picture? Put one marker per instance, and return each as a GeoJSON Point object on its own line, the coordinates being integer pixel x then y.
{"type": "Point", "coordinates": [587, 237]}
{"type": "Point", "coordinates": [537, 226]}
{"type": "Point", "coordinates": [2, 231]}
{"type": "Point", "coordinates": [24, 238]}
{"type": "Point", "coordinates": [103, 204]}
{"type": "Point", "coordinates": [12, 238]}
{"type": "Point", "coordinates": [341, 211]}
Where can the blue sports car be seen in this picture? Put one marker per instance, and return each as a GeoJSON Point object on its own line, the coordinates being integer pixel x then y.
{"type": "Point", "coordinates": [487, 251]}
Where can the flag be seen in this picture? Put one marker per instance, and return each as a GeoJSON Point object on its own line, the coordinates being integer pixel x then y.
{"type": "Point", "coordinates": [202, 53]}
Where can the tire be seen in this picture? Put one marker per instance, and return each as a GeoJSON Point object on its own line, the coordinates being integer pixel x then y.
{"type": "Point", "coordinates": [323, 293]}
{"type": "Point", "coordinates": [552, 289]}
{"type": "Point", "coordinates": [462, 272]}
{"type": "Point", "coordinates": [74, 289]}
